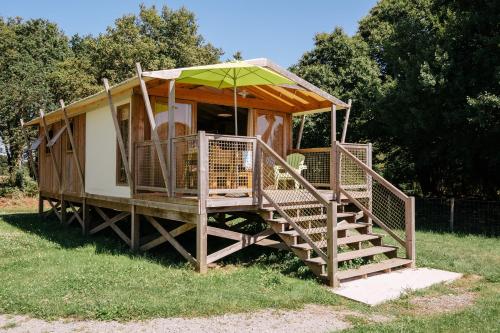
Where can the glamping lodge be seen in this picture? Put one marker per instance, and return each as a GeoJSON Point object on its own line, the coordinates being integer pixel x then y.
{"type": "Point", "coordinates": [187, 150]}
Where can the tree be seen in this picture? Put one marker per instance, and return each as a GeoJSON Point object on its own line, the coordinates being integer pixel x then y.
{"type": "Point", "coordinates": [158, 40]}
{"type": "Point", "coordinates": [40, 65]}
{"type": "Point", "coordinates": [30, 51]}
{"type": "Point", "coordinates": [440, 62]}
{"type": "Point", "coordinates": [341, 65]}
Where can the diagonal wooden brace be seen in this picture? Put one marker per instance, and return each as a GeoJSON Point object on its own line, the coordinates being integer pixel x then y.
{"type": "Point", "coordinates": [239, 245]}
{"type": "Point", "coordinates": [171, 239]}
{"type": "Point", "coordinates": [110, 222]}
{"type": "Point", "coordinates": [238, 236]}
{"type": "Point", "coordinates": [174, 233]}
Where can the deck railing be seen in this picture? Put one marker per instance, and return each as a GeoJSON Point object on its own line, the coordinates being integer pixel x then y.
{"type": "Point", "coordinates": [318, 162]}
{"type": "Point", "coordinates": [382, 202]}
{"type": "Point", "coordinates": [148, 176]}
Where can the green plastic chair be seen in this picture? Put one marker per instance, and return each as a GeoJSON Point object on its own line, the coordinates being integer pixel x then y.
{"type": "Point", "coordinates": [296, 161]}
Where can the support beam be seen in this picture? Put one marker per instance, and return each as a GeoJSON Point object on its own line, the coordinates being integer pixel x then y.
{"type": "Point", "coordinates": [73, 147]}
{"type": "Point", "coordinates": [171, 136]}
{"type": "Point", "coordinates": [40, 204]}
{"type": "Point", "coordinates": [135, 234]}
{"type": "Point", "coordinates": [301, 130]}
{"type": "Point", "coordinates": [119, 137]}
{"type": "Point", "coordinates": [152, 122]}
{"type": "Point", "coordinates": [201, 243]}
{"type": "Point", "coordinates": [54, 209]}
{"type": "Point", "coordinates": [239, 245]}
{"type": "Point", "coordinates": [108, 222]}
{"type": "Point", "coordinates": [64, 211]}
{"type": "Point", "coordinates": [171, 240]}
{"type": "Point", "coordinates": [54, 162]}
{"type": "Point", "coordinates": [346, 121]}
{"type": "Point", "coordinates": [86, 217]}
{"type": "Point", "coordinates": [332, 264]}
{"type": "Point", "coordinates": [245, 238]}
{"type": "Point", "coordinates": [333, 139]}
{"type": "Point", "coordinates": [174, 233]}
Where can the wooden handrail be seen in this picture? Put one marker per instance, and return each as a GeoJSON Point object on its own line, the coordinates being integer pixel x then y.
{"type": "Point", "coordinates": [297, 177]}
{"type": "Point", "coordinates": [375, 175]}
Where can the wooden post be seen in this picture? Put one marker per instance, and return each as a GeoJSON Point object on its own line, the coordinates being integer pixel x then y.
{"type": "Point", "coordinates": [54, 162]}
{"type": "Point", "coordinates": [73, 146]}
{"type": "Point", "coordinates": [152, 122]}
{"type": "Point", "coordinates": [171, 135]}
{"type": "Point", "coordinates": [30, 155]}
{"type": "Point", "coordinates": [85, 217]}
{"type": "Point", "coordinates": [119, 137]}
{"type": "Point", "coordinates": [410, 229]}
{"type": "Point", "coordinates": [333, 153]}
{"type": "Point", "coordinates": [332, 264]}
{"type": "Point", "coordinates": [64, 210]}
{"type": "Point", "coordinates": [346, 122]}
{"type": "Point", "coordinates": [40, 204]}
{"type": "Point", "coordinates": [301, 131]}
{"type": "Point", "coordinates": [201, 227]}
{"type": "Point", "coordinates": [452, 214]}
{"type": "Point", "coordinates": [201, 243]}
{"type": "Point", "coordinates": [135, 227]}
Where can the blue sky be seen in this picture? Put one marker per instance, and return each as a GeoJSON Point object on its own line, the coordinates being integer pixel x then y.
{"type": "Point", "coordinates": [280, 30]}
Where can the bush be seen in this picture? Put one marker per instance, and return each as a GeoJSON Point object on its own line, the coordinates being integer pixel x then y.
{"type": "Point", "coordinates": [19, 184]}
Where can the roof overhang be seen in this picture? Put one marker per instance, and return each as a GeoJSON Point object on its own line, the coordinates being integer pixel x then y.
{"type": "Point", "coordinates": [99, 99]}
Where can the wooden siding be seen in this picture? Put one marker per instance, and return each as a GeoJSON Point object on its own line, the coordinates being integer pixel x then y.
{"type": "Point", "coordinates": [69, 171]}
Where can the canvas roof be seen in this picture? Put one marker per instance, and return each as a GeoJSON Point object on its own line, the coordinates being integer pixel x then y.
{"type": "Point", "coordinates": [299, 98]}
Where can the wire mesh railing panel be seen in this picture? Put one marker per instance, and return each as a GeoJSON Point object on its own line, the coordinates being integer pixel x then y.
{"type": "Point", "coordinates": [370, 191]}
{"type": "Point", "coordinates": [317, 161]}
{"type": "Point", "coordinates": [148, 175]}
{"type": "Point", "coordinates": [285, 191]}
{"type": "Point", "coordinates": [185, 159]}
{"type": "Point", "coordinates": [230, 164]}
{"type": "Point", "coordinates": [350, 175]}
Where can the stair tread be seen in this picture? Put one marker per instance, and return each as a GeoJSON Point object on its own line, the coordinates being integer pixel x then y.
{"type": "Point", "coordinates": [372, 268]}
{"type": "Point", "coordinates": [310, 218]}
{"type": "Point", "coordinates": [349, 226]}
{"type": "Point", "coordinates": [341, 241]}
{"type": "Point", "coordinates": [344, 256]}
{"type": "Point", "coordinates": [319, 230]}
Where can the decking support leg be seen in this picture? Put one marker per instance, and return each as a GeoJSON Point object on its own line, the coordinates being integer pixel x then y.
{"type": "Point", "coordinates": [201, 243]}
{"type": "Point", "coordinates": [135, 234]}
{"type": "Point", "coordinates": [85, 217]}
{"type": "Point", "coordinates": [40, 204]}
{"type": "Point", "coordinates": [64, 208]}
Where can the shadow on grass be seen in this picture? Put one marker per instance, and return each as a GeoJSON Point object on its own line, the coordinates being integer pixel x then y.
{"type": "Point", "coordinates": [106, 241]}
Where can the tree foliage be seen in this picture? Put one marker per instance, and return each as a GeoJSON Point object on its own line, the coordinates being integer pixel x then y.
{"type": "Point", "coordinates": [39, 64]}
{"type": "Point", "coordinates": [434, 108]}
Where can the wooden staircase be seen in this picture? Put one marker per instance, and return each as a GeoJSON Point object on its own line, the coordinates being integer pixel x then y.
{"type": "Point", "coordinates": [335, 239]}
{"type": "Point", "coordinates": [355, 242]}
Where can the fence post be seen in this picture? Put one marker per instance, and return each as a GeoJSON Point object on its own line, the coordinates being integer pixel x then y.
{"type": "Point", "coordinates": [452, 213]}
{"type": "Point", "coordinates": [332, 264]}
{"type": "Point", "coordinates": [410, 229]}
{"type": "Point", "coordinates": [257, 174]}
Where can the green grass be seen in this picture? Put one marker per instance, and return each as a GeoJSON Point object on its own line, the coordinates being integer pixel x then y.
{"type": "Point", "coordinates": [50, 271]}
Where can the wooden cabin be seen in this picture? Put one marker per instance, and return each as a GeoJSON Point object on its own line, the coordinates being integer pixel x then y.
{"type": "Point", "coordinates": [121, 159]}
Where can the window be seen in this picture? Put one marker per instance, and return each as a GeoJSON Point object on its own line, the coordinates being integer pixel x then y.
{"type": "Point", "coordinates": [123, 115]}
{"type": "Point", "coordinates": [47, 148]}
{"type": "Point", "coordinates": [182, 118]}
{"type": "Point", "coordinates": [68, 142]}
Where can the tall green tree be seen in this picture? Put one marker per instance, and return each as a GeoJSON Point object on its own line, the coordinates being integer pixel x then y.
{"type": "Point", "coordinates": [440, 60]}
{"type": "Point", "coordinates": [342, 66]}
{"type": "Point", "coordinates": [29, 53]}
{"type": "Point", "coordinates": [40, 65]}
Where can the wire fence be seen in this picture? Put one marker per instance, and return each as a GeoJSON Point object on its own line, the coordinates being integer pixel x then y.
{"type": "Point", "coordinates": [458, 215]}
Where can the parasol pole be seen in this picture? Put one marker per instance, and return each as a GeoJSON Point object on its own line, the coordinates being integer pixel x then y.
{"type": "Point", "coordinates": [235, 104]}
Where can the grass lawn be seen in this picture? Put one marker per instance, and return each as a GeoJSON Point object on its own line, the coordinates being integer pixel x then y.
{"type": "Point", "coordinates": [50, 271]}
